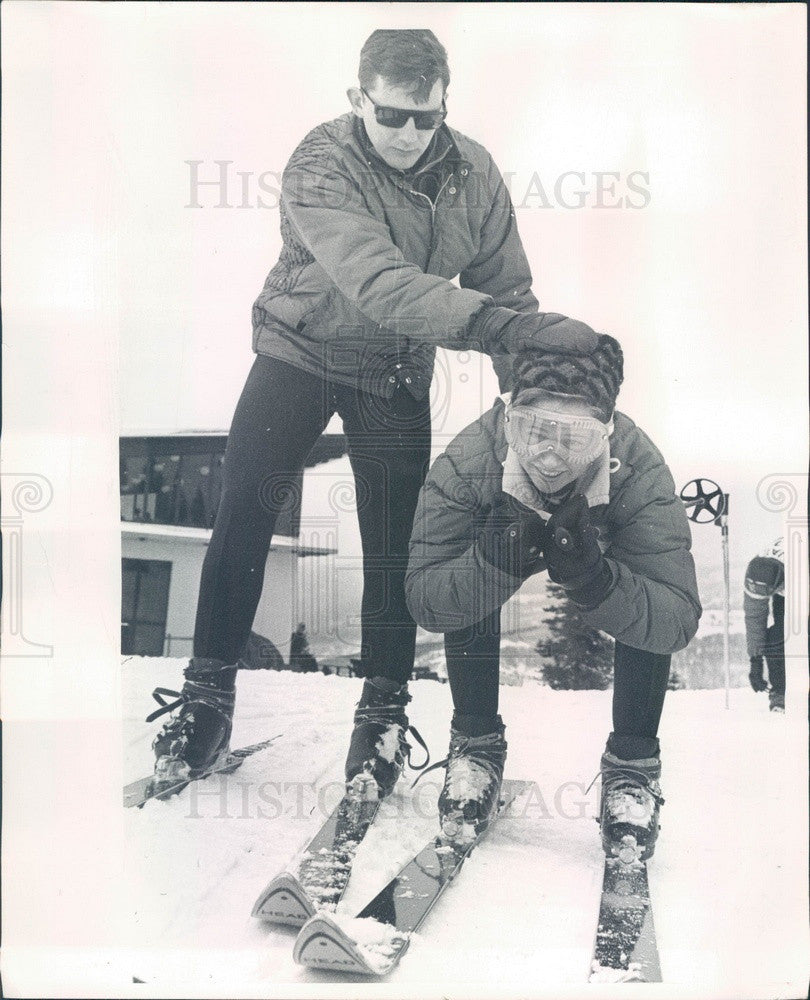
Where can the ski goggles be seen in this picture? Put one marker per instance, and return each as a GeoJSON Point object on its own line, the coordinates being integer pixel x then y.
{"type": "Point", "coordinates": [765, 576]}
{"type": "Point", "coordinates": [578, 441]}
{"type": "Point", "coordinates": [398, 117]}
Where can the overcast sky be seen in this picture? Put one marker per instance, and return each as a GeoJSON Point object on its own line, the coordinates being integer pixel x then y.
{"type": "Point", "coordinates": [685, 123]}
{"type": "Point", "coordinates": [689, 118]}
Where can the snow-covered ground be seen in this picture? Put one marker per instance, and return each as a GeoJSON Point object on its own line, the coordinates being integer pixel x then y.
{"type": "Point", "coordinates": [728, 879]}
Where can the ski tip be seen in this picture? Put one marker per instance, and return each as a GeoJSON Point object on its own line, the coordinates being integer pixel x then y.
{"type": "Point", "coordinates": [321, 944]}
{"type": "Point", "coordinates": [284, 901]}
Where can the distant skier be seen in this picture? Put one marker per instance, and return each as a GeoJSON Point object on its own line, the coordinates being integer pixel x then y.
{"type": "Point", "coordinates": [380, 210]}
{"type": "Point", "coordinates": [764, 595]}
{"type": "Point", "coordinates": [551, 478]}
{"type": "Point", "coordinates": [301, 658]}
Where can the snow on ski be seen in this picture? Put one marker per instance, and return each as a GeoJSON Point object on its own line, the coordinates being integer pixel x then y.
{"type": "Point", "coordinates": [324, 867]}
{"type": "Point", "coordinates": [373, 942]}
{"type": "Point", "coordinates": [193, 924]}
{"type": "Point", "coordinates": [137, 793]}
{"type": "Point", "coordinates": [625, 950]}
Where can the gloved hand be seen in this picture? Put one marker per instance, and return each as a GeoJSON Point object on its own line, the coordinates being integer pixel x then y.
{"type": "Point", "coordinates": [755, 675]}
{"type": "Point", "coordinates": [573, 556]}
{"type": "Point", "coordinates": [512, 537]}
{"type": "Point", "coordinates": [504, 331]}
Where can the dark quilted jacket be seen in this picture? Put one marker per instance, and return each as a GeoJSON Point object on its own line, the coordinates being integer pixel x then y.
{"type": "Point", "coordinates": [363, 282]}
{"type": "Point", "coordinates": [643, 531]}
{"type": "Point", "coordinates": [757, 607]}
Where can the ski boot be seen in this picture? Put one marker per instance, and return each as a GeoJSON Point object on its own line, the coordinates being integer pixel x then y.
{"type": "Point", "coordinates": [630, 804]}
{"type": "Point", "coordinates": [196, 738]}
{"type": "Point", "coordinates": [378, 749]}
{"type": "Point", "coordinates": [776, 701]}
{"type": "Point", "coordinates": [472, 782]}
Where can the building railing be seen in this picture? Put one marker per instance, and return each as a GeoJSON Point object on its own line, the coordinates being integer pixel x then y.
{"type": "Point", "coordinates": [177, 479]}
{"type": "Point", "coordinates": [167, 644]}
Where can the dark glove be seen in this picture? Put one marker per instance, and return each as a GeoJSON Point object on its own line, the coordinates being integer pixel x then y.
{"type": "Point", "coordinates": [755, 675]}
{"type": "Point", "coordinates": [512, 537]}
{"type": "Point", "coordinates": [504, 331]}
{"type": "Point", "coordinates": [573, 556]}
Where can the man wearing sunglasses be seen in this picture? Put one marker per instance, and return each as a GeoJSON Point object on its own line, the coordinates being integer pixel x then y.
{"type": "Point", "coordinates": [553, 479]}
{"type": "Point", "coordinates": [380, 210]}
{"type": "Point", "coordinates": [400, 135]}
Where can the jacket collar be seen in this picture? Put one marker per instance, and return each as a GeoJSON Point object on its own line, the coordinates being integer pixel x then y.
{"type": "Point", "coordinates": [442, 148]}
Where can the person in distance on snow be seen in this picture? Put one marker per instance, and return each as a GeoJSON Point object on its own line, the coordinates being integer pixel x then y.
{"type": "Point", "coordinates": [380, 209]}
{"type": "Point", "coordinates": [764, 593]}
{"type": "Point", "coordinates": [554, 479]}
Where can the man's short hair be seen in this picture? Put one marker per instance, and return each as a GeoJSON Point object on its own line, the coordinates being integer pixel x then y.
{"type": "Point", "coordinates": [404, 57]}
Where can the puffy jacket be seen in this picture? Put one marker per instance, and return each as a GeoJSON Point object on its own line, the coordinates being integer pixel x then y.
{"type": "Point", "coordinates": [643, 531]}
{"type": "Point", "coordinates": [763, 590]}
{"type": "Point", "coordinates": [363, 282]}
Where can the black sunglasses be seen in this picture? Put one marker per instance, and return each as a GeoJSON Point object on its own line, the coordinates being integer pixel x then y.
{"type": "Point", "coordinates": [398, 117]}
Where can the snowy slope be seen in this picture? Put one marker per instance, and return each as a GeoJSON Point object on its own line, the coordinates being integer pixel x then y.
{"type": "Point", "coordinates": [728, 879]}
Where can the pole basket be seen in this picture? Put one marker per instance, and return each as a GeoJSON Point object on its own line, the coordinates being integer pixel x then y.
{"type": "Point", "coordinates": [704, 501]}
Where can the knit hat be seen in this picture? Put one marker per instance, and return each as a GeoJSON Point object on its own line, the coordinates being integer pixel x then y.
{"type": "Point", "coordinates": [764, 576]}
{"type": "Point", "coordinates": [596, 377]}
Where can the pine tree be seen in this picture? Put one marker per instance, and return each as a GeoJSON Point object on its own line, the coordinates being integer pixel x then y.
{"type": "Point", "coordinates": [575, 656]}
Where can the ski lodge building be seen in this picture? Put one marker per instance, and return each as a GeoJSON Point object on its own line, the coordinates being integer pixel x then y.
{"type": "Point", "coordinates": [170, 490]}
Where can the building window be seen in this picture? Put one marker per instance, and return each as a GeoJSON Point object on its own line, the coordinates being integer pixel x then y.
{"type": "Point", "coordinates": [177, 479]}
{"type": "Point", "coordinates": [144, 606]}
{"type": "Point", "coordinates": [172, 481]}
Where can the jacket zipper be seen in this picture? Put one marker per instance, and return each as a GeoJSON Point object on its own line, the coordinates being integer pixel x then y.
{"type": "Point", "coordinates": [433, 205]}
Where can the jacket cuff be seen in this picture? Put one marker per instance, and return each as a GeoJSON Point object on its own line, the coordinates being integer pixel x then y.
{"type": "Point", "coordinates": [506, 560]}
{"type": "Point", "coordinates": [487, 325]}
{"type": "Point", "coordinates": [597, 590]}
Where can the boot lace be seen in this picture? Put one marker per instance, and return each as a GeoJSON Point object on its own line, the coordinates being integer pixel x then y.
{"type": "Point", "coordinates": [221, 701]}
{"type": "Point", "coordinates": [391, 714]}
{"type": "Point", "coordinates": [178, 730]}
{"type": "Point", "coordinates": [485, 751]}
{"type": "Point", "coordinates": [620, 782]}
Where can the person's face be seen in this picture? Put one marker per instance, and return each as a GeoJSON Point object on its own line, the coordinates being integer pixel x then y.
{"type": "Point", "coordinates": [556, 437]}
{"type": "Point", "coordinates": [399, 147]}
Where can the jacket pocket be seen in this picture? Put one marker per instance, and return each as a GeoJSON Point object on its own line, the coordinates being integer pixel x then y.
{"type": "Point", "coordinates": [315, 323]}
{"type": "Point", "coordinates": [290, 299]}
{"type": "Point", "coordinates": [334, 318]}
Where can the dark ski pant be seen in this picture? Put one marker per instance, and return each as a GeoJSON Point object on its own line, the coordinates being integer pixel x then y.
{"type": "Point", "coordinates": [775, 659]}
{"type": "Point", "coordinates": [774, 650]}
{"type": "Point", "coordinates": [639, 684]}
{"type": "Point", "coordinates": [280, 415]}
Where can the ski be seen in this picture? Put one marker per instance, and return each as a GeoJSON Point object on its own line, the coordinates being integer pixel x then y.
{"type": "Point", "coordinates": [373, 943]}
{"type": "Point", "coordinates": [626, 950]}
{"type": "Point", "coordinates": [139, 792]}
{"type": "Point", "coordinates": [325, 865]}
